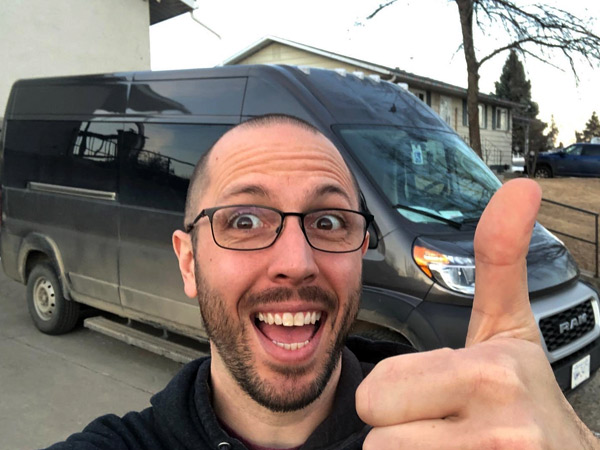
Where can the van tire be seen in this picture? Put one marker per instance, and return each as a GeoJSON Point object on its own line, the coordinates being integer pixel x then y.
{"type": "Point", "coordinates": [50, 311]}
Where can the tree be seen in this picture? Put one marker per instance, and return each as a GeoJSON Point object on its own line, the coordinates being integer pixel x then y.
{"type": "Point", "coordinates": [552, 135]}
{"type": "Point", "coordinates": [514, 86]}
{"type": "Point", "coordinates": [592, 129]}
{"type": "Point", "coordinates": [538, 30]}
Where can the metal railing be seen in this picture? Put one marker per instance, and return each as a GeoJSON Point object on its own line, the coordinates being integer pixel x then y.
{"type": "Point", "coordinates": [578, 238]}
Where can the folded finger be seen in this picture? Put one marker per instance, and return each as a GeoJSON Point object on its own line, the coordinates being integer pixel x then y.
{"type": "Point", "coordinates": [414, 387]}
{"type": "Point", "coordinates": [428, 434]}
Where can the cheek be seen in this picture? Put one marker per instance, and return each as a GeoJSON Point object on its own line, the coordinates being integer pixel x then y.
{"type": "Point", "coordinates": [344, 271]}
{"type": "Point", "coordinates": [228, 272]}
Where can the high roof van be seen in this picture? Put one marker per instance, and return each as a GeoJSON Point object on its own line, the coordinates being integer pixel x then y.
{"type": "Point", "coordinates": [94, 177]}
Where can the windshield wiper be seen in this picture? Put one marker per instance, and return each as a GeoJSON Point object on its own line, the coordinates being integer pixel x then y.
{"type": "Point", "coordinates": [450, 222]}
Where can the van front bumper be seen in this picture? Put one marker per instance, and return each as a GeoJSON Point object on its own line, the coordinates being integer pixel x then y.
{"type": "Point", "coordinates": [563, 368]}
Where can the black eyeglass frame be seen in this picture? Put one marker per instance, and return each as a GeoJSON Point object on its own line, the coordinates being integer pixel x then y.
{"type": "Point", "coordinates": [210, 212]}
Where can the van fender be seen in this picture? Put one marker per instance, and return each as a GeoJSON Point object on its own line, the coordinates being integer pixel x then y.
{"type": "Point", "coordinates": [394, 311]}
{"type": "Point", "coordinates": [37, 242]}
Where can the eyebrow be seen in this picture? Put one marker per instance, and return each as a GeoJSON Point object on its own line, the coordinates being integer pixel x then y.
{"type": "Point", "coordinates": [332, 189]}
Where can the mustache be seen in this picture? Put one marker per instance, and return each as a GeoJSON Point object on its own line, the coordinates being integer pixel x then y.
{"type": "Point", "coordinates": [312, 294]}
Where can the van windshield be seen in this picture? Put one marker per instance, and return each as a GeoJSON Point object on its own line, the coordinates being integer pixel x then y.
{"type": "Point", "coordinates": [430, 176]}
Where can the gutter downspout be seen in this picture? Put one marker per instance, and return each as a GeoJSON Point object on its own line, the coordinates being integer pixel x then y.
{"type": "Point", "coordinates": [204, 26]}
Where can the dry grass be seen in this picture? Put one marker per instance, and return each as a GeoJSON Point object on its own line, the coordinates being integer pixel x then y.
{"type": "Point", "coordinates": [582, 193]}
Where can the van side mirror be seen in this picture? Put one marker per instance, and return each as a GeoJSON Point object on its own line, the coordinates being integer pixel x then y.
{"type": "Point", "coordinates": [373, 239]}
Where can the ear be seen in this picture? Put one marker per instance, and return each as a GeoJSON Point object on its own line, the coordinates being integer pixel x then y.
{"type": "Point", "coordinates": [182, 244]}
{"type": "Point", "coordinates": [365, 244]}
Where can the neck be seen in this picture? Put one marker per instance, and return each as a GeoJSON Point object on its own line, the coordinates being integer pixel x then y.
{"type": "Point", "coordinates": [259, 425]}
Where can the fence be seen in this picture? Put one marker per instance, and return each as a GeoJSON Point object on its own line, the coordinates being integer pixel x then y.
{"type": "Point", "coordinates": [579, 238]}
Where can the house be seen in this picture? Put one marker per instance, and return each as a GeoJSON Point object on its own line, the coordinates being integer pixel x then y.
{"type": "Point", "coordinates": [40, 38]}
{"type": "Point", "coordinates": [449, 101]}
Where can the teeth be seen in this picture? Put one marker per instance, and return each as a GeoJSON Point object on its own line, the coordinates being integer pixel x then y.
{"type": "Point", "coordinates": [288, 319]}
{"type": "Point", "coordinates": [292, 346]}
{"type": "Point", "coordinates": [299, 319]}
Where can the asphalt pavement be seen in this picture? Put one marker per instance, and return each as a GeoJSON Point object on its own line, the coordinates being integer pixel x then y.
{"type": "Point", "coordinates": [52, 386]}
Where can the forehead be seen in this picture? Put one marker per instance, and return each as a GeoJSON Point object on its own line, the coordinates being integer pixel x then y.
{"type": "Point", "coordinates": [275, 157]}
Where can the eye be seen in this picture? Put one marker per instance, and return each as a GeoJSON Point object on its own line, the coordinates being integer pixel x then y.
{"type": "Point", "coordinates": [245, 222]}
{"type": "Point", "coordinates": [328, 222]}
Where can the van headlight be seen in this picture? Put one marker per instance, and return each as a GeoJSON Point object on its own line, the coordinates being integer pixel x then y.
{"type": "Point", "coordinates": [456, 273]}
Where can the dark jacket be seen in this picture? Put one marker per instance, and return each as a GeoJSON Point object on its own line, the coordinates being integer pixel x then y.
{"type": "Point", "coordinates": [182, 418]}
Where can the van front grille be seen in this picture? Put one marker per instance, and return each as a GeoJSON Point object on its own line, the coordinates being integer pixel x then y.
{"type": "Point", "coordinates": [565, 327]}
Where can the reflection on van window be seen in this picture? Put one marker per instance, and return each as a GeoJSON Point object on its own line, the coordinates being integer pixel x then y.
{"type": "Point", "coordinates": [97, 141]}
{"type": "Point", "coordinates": [66, 153]}
{"type": "Point", "coordinates": [158, 161]}
{"type": "Point", "coordinates": [423, 170]}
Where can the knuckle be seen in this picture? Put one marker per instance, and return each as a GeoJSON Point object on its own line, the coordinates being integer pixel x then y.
{"type": "Point", "coordinates": [497, 377]}
{"type": "Point", "coordinates": [363, 402]}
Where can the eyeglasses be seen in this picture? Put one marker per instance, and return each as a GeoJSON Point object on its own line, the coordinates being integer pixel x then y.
{"type": "Point", "coordinates": [251, 227]}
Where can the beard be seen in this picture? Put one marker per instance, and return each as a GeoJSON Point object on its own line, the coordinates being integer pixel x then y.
{"type": "Point", "coordinates": [231, 338]}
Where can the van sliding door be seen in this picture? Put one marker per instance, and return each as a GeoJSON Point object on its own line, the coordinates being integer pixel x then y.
{"type": "Point", "coordinates": [156, 166]}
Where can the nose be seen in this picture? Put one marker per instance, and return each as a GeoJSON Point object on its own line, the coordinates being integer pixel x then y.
{"type": "Point", "coordinates": [292, 258]}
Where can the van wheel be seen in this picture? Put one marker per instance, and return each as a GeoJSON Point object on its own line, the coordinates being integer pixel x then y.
{"type": "Point", "coordinates": [543, 172]}
{"type": "Point", "coordinates": [50, 311]}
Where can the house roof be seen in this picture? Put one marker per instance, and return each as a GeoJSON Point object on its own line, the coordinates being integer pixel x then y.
{"type": "Point", "coordinates": [166, 9]}
{"type": "Point", "coordinates": [395, 75]}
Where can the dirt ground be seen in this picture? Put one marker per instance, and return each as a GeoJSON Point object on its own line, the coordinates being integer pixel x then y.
{"type": "Point", "coordinates": [581, 193]}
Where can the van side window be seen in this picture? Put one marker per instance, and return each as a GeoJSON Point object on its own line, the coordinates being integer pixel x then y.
{"type": "Point", "coordinates": [158, 160]}
{"type": "Point", "coordinates": [63, 153]}
{"type": "Point", "coordinates": [216, 97]}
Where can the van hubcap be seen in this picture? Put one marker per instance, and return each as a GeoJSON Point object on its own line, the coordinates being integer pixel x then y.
{"type": "Point", "coordinates": [44, 298]}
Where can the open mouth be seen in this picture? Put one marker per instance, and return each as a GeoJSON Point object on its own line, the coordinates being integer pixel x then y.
{"type": "Point", "coordinates": [289, 330]}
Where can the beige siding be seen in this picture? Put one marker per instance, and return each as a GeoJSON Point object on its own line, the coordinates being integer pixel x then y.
{"type": "Point", "coordinates": [496, 145]}
{"type": "Point", "coordinates": [40, 38]}
{"type": "Point", "coordinates": [277, 53]}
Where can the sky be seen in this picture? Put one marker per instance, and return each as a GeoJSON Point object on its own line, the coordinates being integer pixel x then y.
{"type": "Point", "coordinates": [418, 36]}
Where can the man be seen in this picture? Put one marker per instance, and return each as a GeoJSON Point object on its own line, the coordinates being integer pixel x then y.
{"type": "Point", "coordinates": [272, 250]}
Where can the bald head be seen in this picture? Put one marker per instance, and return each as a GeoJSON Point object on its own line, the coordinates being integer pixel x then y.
{"type": "Point", "coordinates": [241, 142]}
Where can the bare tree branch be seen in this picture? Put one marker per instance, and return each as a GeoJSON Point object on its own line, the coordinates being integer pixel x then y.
{"type": "Point", "coordinates": [537, 30]}
{"type": "Point", "coordinates": [379, 8]}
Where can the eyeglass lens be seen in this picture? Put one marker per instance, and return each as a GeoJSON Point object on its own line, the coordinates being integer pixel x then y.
{"type": "Point", "coordinates": [254, 227]}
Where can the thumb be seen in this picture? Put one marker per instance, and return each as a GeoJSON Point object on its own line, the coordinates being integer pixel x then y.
{"type": "Point", "coordinates": [501, 306]}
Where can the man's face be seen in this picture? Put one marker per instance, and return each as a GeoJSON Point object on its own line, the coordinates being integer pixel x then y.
{"type": "Point", "coordinates": [248, 299]}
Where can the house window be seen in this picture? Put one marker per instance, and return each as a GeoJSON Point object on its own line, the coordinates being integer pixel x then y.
{"type": "Point", "coordinates": [420, 94]}
{"type": "Point", "coordinates": [501, 119]}
{"type": "Point", "coordinates": [482, 116]}
{"type": "Point", "coordinates": [446, 109]}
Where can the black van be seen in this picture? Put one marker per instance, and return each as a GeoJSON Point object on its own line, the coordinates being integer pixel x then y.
{"type": "Point", "coordinates": [94, 179]}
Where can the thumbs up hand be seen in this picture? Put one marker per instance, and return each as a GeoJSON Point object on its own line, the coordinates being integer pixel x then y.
{"type": "Point", "coordinates": [499, 391]}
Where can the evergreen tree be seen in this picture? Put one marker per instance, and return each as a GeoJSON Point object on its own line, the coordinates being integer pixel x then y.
{"type": "Point", "coordinates": [592, 129]}
{"type": "Point", "coordinates": [514, 86]}
{"type": "Point", "coordinates": [552, 135]}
